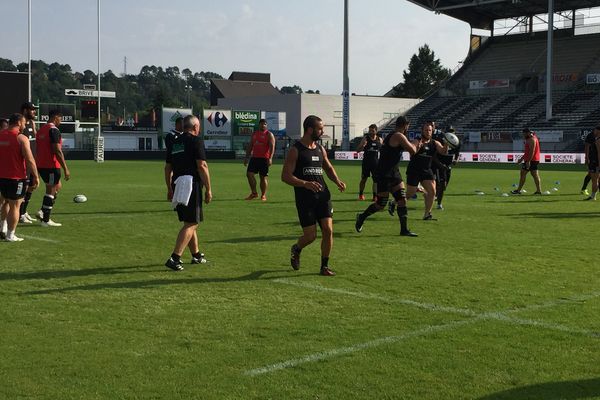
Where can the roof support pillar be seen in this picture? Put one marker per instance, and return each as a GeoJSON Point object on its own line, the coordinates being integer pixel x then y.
{"type": "Point", "coordinates": [549, 54]}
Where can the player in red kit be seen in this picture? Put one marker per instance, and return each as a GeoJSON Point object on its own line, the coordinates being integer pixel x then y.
{"type": "Point", "coordinates": [530, 160]}
{"type": "Point", "coordinates": [260, 153]}
{"type": "Point", "coordinates": [49, 159]}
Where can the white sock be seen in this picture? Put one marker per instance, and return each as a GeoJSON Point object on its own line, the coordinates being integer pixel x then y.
{"type": "Point", "coordinates": [3, 225]}
{"type": "Point", "coordinates": [10, 234]}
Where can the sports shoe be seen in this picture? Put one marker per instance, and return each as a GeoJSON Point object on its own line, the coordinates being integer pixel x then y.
{"type": "Point", "coordinates": [440, 207]}
{"type": "Point", "coordinates": [252, 196]}
{"type": "Point", "coordinates": [358, 225]}
{"type": "Point", "coordinates": [50, 223]}
{"type": "Point", "coordinates": [361, 197]}
{"type": "Point", "coordinates": [408, 233]}
{"type": "Point", "coordinates": [40, 214]}
{"type": "Point", "coordinates": [325, 271]}
{"type": "Point", "coordinates": [295, 257]}
{"type": "Point", "coordinates": [391, 208]}
{"type": "Point", "coordinates": [29, 217]}
{"type": "Point", "coordinates": [24, 220]}
{"type": "Point", "coordinates": [585, 192]}
{"type": "Point", "coordinates": [429, 217]}
{"type": "Point", "coordinates": [590, 198]}
{"type": "Point", "coordinates": [263, 197]}
{"type": "Point", "coordinates": [174, 265]}
{"type": "Point", "coordinates": [200, 260]}
{"type": "Point", "coordinates": [537, 192]}
{"type": "Point", "coordinates": [13, 238]}
{"type": "Point", "coordinates": [515, 192]}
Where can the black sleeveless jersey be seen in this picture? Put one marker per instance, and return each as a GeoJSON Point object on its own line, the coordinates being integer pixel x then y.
{"type": "Point", "coordinates": [593, 152]}
{"type": "Point", "coordinates": [309, 167]}
{"type": "Point", "coordinates": [371, 151]}
{"type": "Point", "coordinates": [29, 130]}
{"type": "Point", "coordinates": [422, 159]}
{"type": "Point", "coordinates": [389, 156]}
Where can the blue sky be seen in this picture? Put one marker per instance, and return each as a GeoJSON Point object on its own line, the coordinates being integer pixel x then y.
{"type": "Point", "coordinates": [298, 42]}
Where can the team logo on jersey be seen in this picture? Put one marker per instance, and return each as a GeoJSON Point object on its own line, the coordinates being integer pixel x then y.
{"type": "Point", "coordinates": [312, 171]}
{"type": "Point", "coordinates": [316, 158]}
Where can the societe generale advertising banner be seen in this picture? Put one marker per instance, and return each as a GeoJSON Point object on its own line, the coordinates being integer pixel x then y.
{"type": "Point", "coordinates": [554, 158]}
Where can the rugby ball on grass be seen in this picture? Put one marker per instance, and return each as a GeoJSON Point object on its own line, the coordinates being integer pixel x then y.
{"type": "Point", "coordinates": [80, 198]}
{"type": "Point", "coordinates": [452, 139]}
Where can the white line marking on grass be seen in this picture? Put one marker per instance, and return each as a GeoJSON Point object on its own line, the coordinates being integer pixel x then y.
{"type": "Point", "coordinates": [426, 306]}
{"type": "Point", "coordinates": [323, 355]}
{"type": "Point", "coordinates": [498, 316]}
{"type": "Point", "coordinates": [40, 239]}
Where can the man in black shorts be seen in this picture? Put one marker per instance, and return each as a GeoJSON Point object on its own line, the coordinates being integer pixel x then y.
{"type": "Point", "coordinates": [186, 171]}
{"type": "Point", "coordinates": [16, 161]}
{"type": "Point", "coordinates": [29, 111]}
{"type": "Point", "coordinates": [442, 166]}
{"type": "Point", "coordinates": [590, 140]}
{"type": "Point", "coordinates": [303, 169]}
{"type": "Point", "coordinates": [388, 179]}
{"type": "Point", "coordinates": [371, 144]}
{"type": "Point", "coordinates": [419, 167]}
{"type": "Point", "coordinates": [593, 162]}
{"type": "Point", "coordinates": [260, 152]}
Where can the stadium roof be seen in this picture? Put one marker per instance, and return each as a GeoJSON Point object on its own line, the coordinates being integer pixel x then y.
{"type": "Point", "coordinates": [481, 13]}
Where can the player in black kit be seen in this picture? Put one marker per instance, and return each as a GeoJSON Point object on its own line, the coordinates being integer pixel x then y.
{"type": "Point", "coordinates": [303, 169]}
{"type": "Point", "coordinates": [29, 111]}
{"type": "Point", "coordinates": [443, 166]}
{"type": "Point", "coordinates": [419, 167]}
{"type": "Point", "coordinates": [593, 162]}
{"type": "Point", "coordinates": [371, 144]}
{"type": "Point", "coordinates": [388, 179]}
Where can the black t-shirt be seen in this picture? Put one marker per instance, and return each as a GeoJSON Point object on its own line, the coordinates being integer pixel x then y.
{"type": "Point", "coordinates": [389, 157]}
{"type": "Point", "coordinates": [422, 159]}
{"type": "Point", "coordinates": [183, 153]}
{"type": "Point", "coordinates": [309, 167]}
{"type": "Point", "coordinates": [371, 151]}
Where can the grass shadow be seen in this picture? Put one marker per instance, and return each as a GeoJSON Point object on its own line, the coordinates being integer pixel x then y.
{"type": "Point", "coordinates": [567, 390]}
{"type": "Point", "coordinates": [555, 215]}
{"type": "Point", "coordinates": [252, 276]}
{"type": "Point", "coordinates": [58, 274]}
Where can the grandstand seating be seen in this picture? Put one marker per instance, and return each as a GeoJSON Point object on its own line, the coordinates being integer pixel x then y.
{"type": "Point", "coordinates": [520, 58]}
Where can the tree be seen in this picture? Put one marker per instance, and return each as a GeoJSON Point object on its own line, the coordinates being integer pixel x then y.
{"type": "Point", "coordinates": [290, 89]}
{"type": "Point", "coordinates": [424, 73]}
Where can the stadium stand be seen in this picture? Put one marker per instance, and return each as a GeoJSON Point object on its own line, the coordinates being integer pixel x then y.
{"type": "Point", "coordinates": [500, 87]}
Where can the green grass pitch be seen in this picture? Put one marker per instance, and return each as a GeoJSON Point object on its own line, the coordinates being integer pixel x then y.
{"type": "Point", "coordinates": [498, 299]}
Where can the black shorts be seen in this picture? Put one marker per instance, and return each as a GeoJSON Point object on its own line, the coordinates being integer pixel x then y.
{"type": "Point", "coordinates": [13, 189]}
{"type": "Point", "coordinates": [593, 167]}
{"type": "Point", "coordinates": [192, 213]}
{"type": "Point", "coordinates": [413, 177]}
{"type": "Point", "coordinates": [368, 169]}
{"type": "Point", "coordinates": [533, 166]}
{"type": "Point", "coordinates": [313, 209]}
{"type": "Point", "coordinates": [259, 166]}
{"type": "Point", "coordinates": [385, 182]}
{"type": "Point", "coordinates": [442, 174]}
{"type": "Point", "coordinates": [51, 176]}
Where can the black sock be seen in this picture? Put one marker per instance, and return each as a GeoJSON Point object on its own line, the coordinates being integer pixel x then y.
{"type": "Point", "coordinates": [360, 192]}
{"type": "Point", "coordinates": [324, 262]}
{"type": "Point", "coordinates": [175, 257]}
{"type": "Point", "coordinates": [25, 203]}
{"type": "Point", "coordinates": [372, 209]}
{"type": "Point", "coordinates": [586, 181]}
{"type": "Point", "coordinates": [403, 217]}
{"type": "Point", "coordinates": [440, 194]}
{"type": "Point", "coordinates": [296, 249]}
{"type": "Point", "coordinates": [47, 204]}
{"type": "Point", "coordinates": [197, 255]}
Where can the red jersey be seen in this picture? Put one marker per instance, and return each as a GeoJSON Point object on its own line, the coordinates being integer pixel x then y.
{"type": "Point", "coordinates": [12, 163]}
{"type": "Point", "coordinates": [44, 152]}
{"type": "Point", "coordinates": [260, 144]}
{"type": "Point", "coordinates": [536, 151]}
